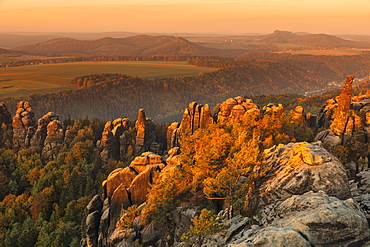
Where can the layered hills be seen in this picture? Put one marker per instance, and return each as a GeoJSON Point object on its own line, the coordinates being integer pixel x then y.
{"type": "Point", "coordinates": [153, 45]}
{"type": "Point", "coordinates": [141, 45]}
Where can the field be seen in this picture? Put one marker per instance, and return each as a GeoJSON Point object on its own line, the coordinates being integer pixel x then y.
{"type": "Point", "coordinates": [47, 78]}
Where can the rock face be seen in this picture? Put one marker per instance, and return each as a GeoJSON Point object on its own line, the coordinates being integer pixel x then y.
{"type": "Point", "coordinates": [198, 116]}
{"type": "Point", "coordinates": [38, 140]}
{"type": "Point", "coordinates": [316, 216]}
{"type": "Point", "coordinates": [116, 139]}
{"type": "Point", "coordinates": [145, 133]}
{"type": "Point", "coordinates": [121, 138]}
{"type": "Point", "coordinates": [123, 188]}
{"type": "Point", "coordinates": [24, 125]}
{"type": "Point", "coordinates": [295, 169]}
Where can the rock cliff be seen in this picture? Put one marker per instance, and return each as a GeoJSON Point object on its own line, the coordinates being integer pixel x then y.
{"type": "Point", "coordinates": [120, 138]}
{"type": "Point", "coordinates": [123, 188]}
{"type": "Point", "coordinates": [24, 125]}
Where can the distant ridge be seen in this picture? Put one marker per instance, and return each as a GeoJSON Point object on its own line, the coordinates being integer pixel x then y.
{"type": "Point", "coordinates": [311, 40]}
{"type": "Point", "coordinates": [139, 45]}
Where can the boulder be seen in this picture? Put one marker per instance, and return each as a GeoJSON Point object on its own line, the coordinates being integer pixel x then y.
{"type": "Point", "coordinates": [274, 236]}
{"type": "Point", "coordinates": [316, 216]}
{"type": "Point", "coordinates": [295, 169]}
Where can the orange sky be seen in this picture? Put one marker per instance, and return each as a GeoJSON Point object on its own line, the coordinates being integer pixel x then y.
{"type": "Point", "coordinates": [247, 16]}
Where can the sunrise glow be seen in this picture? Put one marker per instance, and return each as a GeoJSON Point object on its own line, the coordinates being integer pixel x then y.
{"type": "Point", "coordinates": [217, 16]}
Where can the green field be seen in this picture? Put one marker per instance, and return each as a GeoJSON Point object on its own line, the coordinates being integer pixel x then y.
{"type": "Point", "coordinates": [47, 78]}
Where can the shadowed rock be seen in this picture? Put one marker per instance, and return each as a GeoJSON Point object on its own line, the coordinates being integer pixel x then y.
{"type": "Point", "coordinates": [24, 125]}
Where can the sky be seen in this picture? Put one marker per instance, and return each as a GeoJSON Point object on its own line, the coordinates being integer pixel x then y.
{"type": "Point", "coordinates": [191, 16]}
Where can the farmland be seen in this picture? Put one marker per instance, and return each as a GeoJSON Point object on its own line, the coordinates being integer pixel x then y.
{"type": "Point", "coordinates": [47, 78]}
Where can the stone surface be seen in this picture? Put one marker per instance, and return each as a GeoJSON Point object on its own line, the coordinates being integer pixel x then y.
{"type": "Point", "coordinates": [120, 200]}
{"type": "Point", "coordinates": [116, 139]}
{"type": "Point", "coordinates": [274, 236]}
{"type": "Point", "coordinates": [38, 140]}
{"type": "Point", "coordinates": [54, 140]}
{"type": "Point", "coordinates": [295, 169]}
{"type": "Point", "coordinates": [96, 204]}
{"type": "Point", "coordinates": [317, 216]}
{"type": "Point", "coordinates": [145, 133]}
{"type": "Point", "coordinates": [141, 184]}
{"type": "Point", "coordinates": [24, 125]}
{"type": "Point", "coordinates": [92, 227]}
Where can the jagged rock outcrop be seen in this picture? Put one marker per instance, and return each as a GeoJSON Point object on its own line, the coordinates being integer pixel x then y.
{"type": "Point", "coordinates": [316, 216]}
{"type": "Point", "coordinates": [145, 133]}
{"type": "Point", "coordinates": [54, 139]}
{"type": "Point", "coordinates": [116, 139]}
{"type": "Point", "coordinates": [94, 209]}
{"type": "Point", "coordinates": [295, 169]}
{"type": "Point", "coordinates": [123, 188]}
{"type": "Point", "coordinates": [38, 140]}
{"type": "Point", "coordinates": [200, 116]}
{"type": "Point", "coordinates": [24, 125]}
{"type": "Point", "coordinates": [120, 138]}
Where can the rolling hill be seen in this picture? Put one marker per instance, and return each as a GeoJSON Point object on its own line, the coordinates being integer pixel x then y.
{"type": "Point", "coordinates": [140, 45]}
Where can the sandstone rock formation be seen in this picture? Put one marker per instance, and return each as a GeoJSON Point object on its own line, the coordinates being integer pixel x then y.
{"type": "Point", "coordinates": [145, 133]}
{"type": "Point", "coordinates": [24, 125]}
{"type": "Point", "coordinates": [38, 140]}
{"type": "Point", "coordinates": [295, 169]}
{"type": "Point", "coordinates": [124, 187]}
{"type": "Point", "coordinates": [200, 116]}
{"type": "Point", "coordinates": [317, 216]}
{"type": "Point", "coordinates": [116, 139]}
{"type": "Point", "coordinates": [120, 138]}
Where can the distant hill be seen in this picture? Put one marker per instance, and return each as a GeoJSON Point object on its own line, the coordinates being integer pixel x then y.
{"type": "Point", "coordinates": [278, 37]}
{"type": "Point", "coordinates": [322, 41]}
{"type": "Point", "coordinates": [140, 45]}
{"type": "Point", "coordinates": [329, 67]}
{"type": "Point", "coordinates": [310, 40]}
